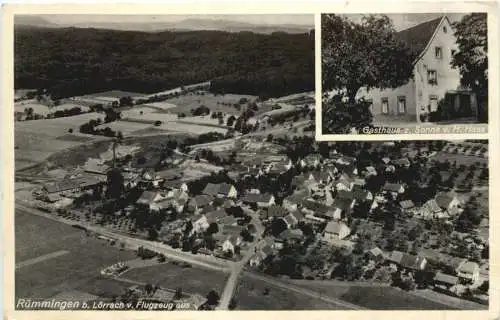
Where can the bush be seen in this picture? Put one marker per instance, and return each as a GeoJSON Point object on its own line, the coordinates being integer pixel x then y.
{"type": "Point", "coordinates": [341, 117]}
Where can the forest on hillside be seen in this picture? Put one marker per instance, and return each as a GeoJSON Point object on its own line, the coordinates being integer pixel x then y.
{"type": "Point", "coordinates": [75, 61]}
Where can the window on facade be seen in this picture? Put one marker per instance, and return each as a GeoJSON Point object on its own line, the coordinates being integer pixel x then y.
{"type": "Point", "coordinates": [402, 104]}
{"type": "Point", "coordinates": [444, 29]}
{"type": "Point", "coordinates": [432, 76]}
{"type": "Point", "coordinates": [385, 105]}
{"type": "Point", "coordinates": [438, 53]}
{"type": "Point", "coordinates": [433, 103]}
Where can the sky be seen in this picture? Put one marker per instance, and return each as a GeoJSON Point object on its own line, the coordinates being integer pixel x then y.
{"type": "Point", "coordinates": [265, 19]}
{"type": "Point", "coordinates": [407, 20]}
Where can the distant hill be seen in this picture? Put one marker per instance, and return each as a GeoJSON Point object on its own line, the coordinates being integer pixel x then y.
{"type": "Point", "coordinates": [75, 61]}
{"type": "Point", "coordinates": [33, 21]}
{"type": "Point", "coordinates": [184, 25]}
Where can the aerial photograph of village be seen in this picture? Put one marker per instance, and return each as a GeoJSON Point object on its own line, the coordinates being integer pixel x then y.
{"type": "Point", "coordinates": [407, 73]}
{"type": "Point", "coordinates": [170, 163]}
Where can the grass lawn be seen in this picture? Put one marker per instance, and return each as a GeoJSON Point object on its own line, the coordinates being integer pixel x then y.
{"type": "Point", "coordinates": [192, 280]}
{"type": "Point", "coordinates": [250, 296]}
{"type": "Point", "coordinates": [388, 298]}
{"type": "Point", "coordinates": [37, 236]}
{"type": "Point", "coordinates": [375, 297]}
{"type": "Point", "coordinates": [185, 103]}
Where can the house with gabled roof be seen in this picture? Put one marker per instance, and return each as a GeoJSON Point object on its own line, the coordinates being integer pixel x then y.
{"type": "Point", "coordinates": [260, 200]}
{"type": "Point", "coordinates": [447, 201]}
{"type": "Point", "coordinates": [432, 45]}
{"type": "Point", "coordinates": [395, 189]}
{"type": "Point", "coordinates": [200, 201]}
{"type": "Point", "coordinates": [334, 231]}
{"type": "Point", "coordinates": [345, 182]}
{"type": "Point", "coordinates": [221, 190]}
{"type": "Point", "coordinates": [261, 255]}
{"type": "Point", "coordinates": [407, 261]}
{"type": "Point", "coordinates": [312, 160]}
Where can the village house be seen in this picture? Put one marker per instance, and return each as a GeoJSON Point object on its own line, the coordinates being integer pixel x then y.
{"type": "Point", "coordinates": [345, 182]}
{"type": "Point", "coordinates": [320, 176]}
{"type": "Point", "coordinates": [431, 210]}
{"type": "Point", "coordinates": [220, 190]}
{"type": "Point", "coordinates": [343, 206]}
{"type": "Point", "coordinates": [200, 223]}
{"type": "Point", "coordinates": [369, 171]}
{"type": "Point", "coordinates": [290, 236]}
{"type": "Point", "coordinates": [290, 221]}
{"type": "Point", "coordinates": [394, 189]}
{"type": "Point", "coordinates": [258, 200]}
{"type": "Point", "coordinates": [407, 261]}
{"type": "Point", "coordinates": [292, 202]}
{"type": "Point", "coordinates": [231, 243]}
{"type": "Point", "coordinates": [433, 44]}
{"type": "Point", "coordinates": [175, 185]}
{"type": "Point", "coordinates": [376, 254]}
{"type": "Point", "coordinates": [215, 216]}
{"type": "Point", "coordinates": [150, 176]}
{"type": "Point", "coordinates": [468, 272]}
{"type": "Point", "coordinates": [349, 169]}
{"type": "Point", "coordinates": [228, 221]}
{"type": "Point", "coordinates": [448, 202]}
{"type": "Point", "coordinates": [445, 281]}
{"type": "Point", "coordinates": [402, 163]}
{"type": "Point", "coordinates": [130, 179]}
{"type": "Point", "coordinates": [199, 202]}
{"type": "Point", "coordinates": [261, 255]}
{"type": "Point", "coordinates": [68, 187]}
{"type": "Point", "coordinates": [312, 160]}
{"type": "Point", "coordinates": [273, 212]}
{"type": "Point", "coordinates": [335, 231]}
{"type": "Point", "coordinates": [407, 206]}
{"type": "Point", "coordinates": [96, 166]}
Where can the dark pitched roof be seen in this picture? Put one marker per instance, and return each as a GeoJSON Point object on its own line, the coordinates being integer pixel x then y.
{"type": "Point", "coordinates": [446, 278]}
{"type": "Point", "coordinates": [394, 187]}
{"type": "Point", "coordinates": [276, 211]}
{"type": "Point", "coordinates": [202, 200]}
{"type": "Point", "coordinates": [416, 38]}
{"type": "Point", "coordinates": [147, 196]}
{"type": "Point", "coordinates": [215, 216]}
{"type": "Point", "coordinates": [312, 205]}
{"type": "Point", "coordinates": [257, 197]}
{"type": "Point", "coordinates": [443, 199]}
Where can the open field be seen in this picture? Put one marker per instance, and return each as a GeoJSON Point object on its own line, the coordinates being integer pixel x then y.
{"type": "Point", "coordinates": [37, 140]}
{"type": "Point", "coordinates": [250, 296]}
{"type": "Point", "coordinates": [58, 126]}
{"type": "Point", "coordinates": [190, 128]}
{"type": "Point", "coordinates": [373, 297]}
{"type": "Point", "coordinates": [37, 236]}
{"type": "Point", "coordinates": [219, 103]}
{"type": "Point", "coordinates": [136, 111]}
{"type": "Point", "coordinates": [115, 94]}
{"type": "Point", "coordinates": [125, 127]}
{"type": "Point", "coordinates": [171, 276]}
{"type": "Point", "coordinates": [160, 105]}
{"type": "Point", "coordinates": [459, 158]}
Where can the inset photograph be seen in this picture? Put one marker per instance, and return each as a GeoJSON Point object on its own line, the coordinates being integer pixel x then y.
{"type": "Point", "coordinates": [404, 73]}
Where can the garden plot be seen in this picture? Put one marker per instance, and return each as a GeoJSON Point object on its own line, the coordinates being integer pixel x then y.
{"type": "Point", "coordinates": [160, 105]}
{"type": "Point", "coordinates": [125, 127]}
{"type": "Point", "coordinates": [191, 128]}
